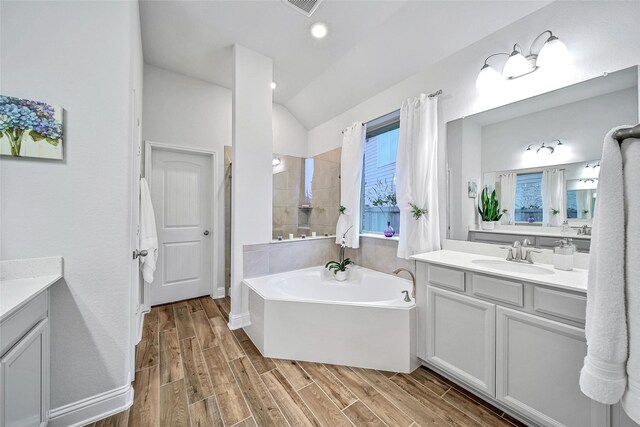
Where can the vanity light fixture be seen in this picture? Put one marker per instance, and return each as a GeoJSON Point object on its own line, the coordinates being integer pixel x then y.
{"type": "Point", "coordinates": [593, 166]}
{"type": "Point", "coordinates": [589, 180]}
{"type": "Point", "coordinates": [544, 149]}
{"type": "Point", "coordinates": [276, 161]}
{"type": "Point", "coordinates": [553, 52]}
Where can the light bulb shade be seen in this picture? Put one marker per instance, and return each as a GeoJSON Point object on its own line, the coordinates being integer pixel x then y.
{"type": "Point", "coordinates": [516, 66]}
{"type": "Point", "coordinates": [553, 53]}
{"type": "Point", "coordinates": [488, 79]}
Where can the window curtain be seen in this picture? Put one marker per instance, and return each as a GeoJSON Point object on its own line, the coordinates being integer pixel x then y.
{"type": "Point", "coordinates": [553, 197]}
{"type": "Point", "coordinates": [417, 176]}
{"type": "Point", "coordinates": [584, 201]}
{"type": "Point", "coordinates": [508, 196]}
{"type": "Point", "coordinates": [353, 140]}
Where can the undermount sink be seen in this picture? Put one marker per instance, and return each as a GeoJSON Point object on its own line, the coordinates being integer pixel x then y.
{"type": "Point", "coordinates": [511, 266]}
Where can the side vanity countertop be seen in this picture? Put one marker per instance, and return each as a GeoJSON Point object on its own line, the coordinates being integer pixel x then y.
{"type": "Point", "coordinates": [574, 280]}
{"type": "Point", "coordinates": [23, 280]}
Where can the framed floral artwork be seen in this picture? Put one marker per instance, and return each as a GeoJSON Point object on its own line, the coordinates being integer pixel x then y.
{"type": "Point", "coordinates": [30, 129]}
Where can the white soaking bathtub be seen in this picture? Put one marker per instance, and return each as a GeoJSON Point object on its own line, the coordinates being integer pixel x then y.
{"type": "Point", "coordinates": [308, 315]}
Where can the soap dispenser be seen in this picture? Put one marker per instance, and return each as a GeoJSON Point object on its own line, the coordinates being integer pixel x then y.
{"type": "Point", "coordinates": [563, 255]}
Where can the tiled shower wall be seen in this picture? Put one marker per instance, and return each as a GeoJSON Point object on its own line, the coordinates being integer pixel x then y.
{"type": "Point", "coordinates": [326, 192]}
{"type": "Point", "coordinates": [288, 195]}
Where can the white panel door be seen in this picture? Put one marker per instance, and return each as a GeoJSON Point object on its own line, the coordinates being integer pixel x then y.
{"type": "Point", "coordinates": [461, 337]}
{"type": "Point", "coordinates": [181, 192]}
{"type": "Point", "coordinates": [538, 370]}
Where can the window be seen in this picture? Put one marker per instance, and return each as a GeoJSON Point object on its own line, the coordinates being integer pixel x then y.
{"type": "Point", "coordinates": [387, 147]}
{"type": "Point", "coordinates": [529, 198]}
{"type": "Point", "coordinates": [379, 205]}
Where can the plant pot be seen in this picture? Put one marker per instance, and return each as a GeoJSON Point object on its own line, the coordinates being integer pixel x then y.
{"type": "Point", "coordinates": [488, 225]}
{"type": "Point", "coordinates": [341, 276]}
{"type": "Point", "coordinates": [389, 231]}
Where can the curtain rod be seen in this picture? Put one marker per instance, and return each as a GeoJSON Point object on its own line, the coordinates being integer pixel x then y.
{"type": "Point", "coordinates": [622, 134]}
{"type": "Point", "coordinates": [431, 95]}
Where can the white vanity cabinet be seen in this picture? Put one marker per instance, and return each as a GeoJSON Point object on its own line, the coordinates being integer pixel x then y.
{"type": "Point", "coordinates": [461, 337]}
{"type": "Point", "coordinates": [24, 365]}
{"type": "Point", "coordinates": [519, 345]}
{"type": "Point", "coordinates": [538, 365]}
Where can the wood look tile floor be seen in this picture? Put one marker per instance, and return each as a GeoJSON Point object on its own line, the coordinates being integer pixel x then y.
{"type": "Point", "coordinates": [193, 371]}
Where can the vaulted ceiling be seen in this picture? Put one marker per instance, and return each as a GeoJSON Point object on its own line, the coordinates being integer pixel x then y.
{"type": "Point", "coordinates": [371, 45]}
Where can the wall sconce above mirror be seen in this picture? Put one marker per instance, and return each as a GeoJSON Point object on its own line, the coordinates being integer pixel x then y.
{"type": "Point", "coordinates": [553, 53]}
{"type": "Point", "coordinates": [544, 149]}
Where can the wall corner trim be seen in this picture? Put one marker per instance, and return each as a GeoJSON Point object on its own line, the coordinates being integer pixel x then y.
{"type": "Point", "coordinates": [237, 321]}
{"type": "Point", "coordinates": [91, 409]}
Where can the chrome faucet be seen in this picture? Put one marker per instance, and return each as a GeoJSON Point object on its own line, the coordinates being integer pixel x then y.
{"type": "Point", "coordinates": [413, 279]}
{"type": "Point", "coordinates": [520, 252]}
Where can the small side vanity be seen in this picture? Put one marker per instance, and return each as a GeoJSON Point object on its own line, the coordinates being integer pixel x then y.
{"type": "Point", "coordinates": [513, 333]}
{"type": "Point", "coordinates": [24, 339]}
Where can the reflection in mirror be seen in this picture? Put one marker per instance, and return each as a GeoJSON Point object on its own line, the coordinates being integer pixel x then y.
{"type": "Point", "coordinates": [541, 156]}
{"type": "Point", "coordinates": [306, 195]}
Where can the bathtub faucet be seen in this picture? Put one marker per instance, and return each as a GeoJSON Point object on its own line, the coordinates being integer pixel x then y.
{"type": "Point", "coordinates": [413, 279]}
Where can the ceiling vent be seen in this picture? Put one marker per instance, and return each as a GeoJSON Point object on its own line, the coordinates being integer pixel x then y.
{"type": "Point", "coordinates": [306, 7]}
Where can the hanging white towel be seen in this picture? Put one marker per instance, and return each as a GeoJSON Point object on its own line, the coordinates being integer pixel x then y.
{"type": "Point", "coordinates": [631, 181]}
{"type": "Point", "coordinates": [603, 376]}
{"type": "Point", "coordinates": [148, 233]}
{"type": "Point", "coordinates": [353, 141]}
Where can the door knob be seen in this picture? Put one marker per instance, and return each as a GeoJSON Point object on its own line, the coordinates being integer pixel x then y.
{"type": "Point", "coordinates": [206, 232]}
{"type": "Point", "coordinates": [137, 253]}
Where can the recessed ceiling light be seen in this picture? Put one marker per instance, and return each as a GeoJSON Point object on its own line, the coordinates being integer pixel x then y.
{"type": "Point", "coordinates": [274, 85]}
{"type": "Point", "coordinates": [319, 30]}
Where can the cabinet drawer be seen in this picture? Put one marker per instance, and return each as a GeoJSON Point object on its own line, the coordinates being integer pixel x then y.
{"type": "Point", "coordinates": [446, 277]}
{"type": "Point", "coordinates": [16, 326]}
{"type": "Point", "coordinates": [499, 290]}
{"type": "Point", "coordinates": [560, 304]}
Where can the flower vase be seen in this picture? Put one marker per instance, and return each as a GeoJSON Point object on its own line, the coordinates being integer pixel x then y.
{"type": "Point", "coordinates": [389, 231]}
{"type": "Point", "coordinates": [341, 275]}
{"type": "Point", "coordinates": [488, 225]}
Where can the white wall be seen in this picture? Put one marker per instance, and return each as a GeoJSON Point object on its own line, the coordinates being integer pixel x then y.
{"type": "Point", "coordinates": [184, 111]}
{"type": "Point", "coordinates": [595, 44]}
{"type": "Point", "coordinates": [180, 110]}
{"type": "Point", "coordinates": [580, 126]}
{"type": "Point", "coordinates": [251, 191]}
{"type": "Point", "coordinates": [82, 56]}
{"type": "Point", "coordinates": [289, 136]}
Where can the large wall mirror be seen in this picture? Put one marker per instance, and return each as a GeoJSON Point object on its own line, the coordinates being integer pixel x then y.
{"type": "Point", "coordinates": [541, 156]}
{"type": "Point", "coordinates": [306, 195]}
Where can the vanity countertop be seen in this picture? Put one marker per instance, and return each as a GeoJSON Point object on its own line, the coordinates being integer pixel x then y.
{"type": "Point", "coordinates": [21, 280]}
{"type": "Point", "coordinates": [575, 280]}
{"type": "Point", "coordinates": [15, 293]}
{"type": "Point", "coordinates": [531, 231]}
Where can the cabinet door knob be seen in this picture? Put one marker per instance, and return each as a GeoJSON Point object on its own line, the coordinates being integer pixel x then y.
{"type": "Point", "coordinates": [206, 232]}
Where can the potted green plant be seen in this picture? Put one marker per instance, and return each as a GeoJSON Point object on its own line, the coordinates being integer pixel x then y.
{"type": "Point", "coordinates": [339, 267]}
{"type": "Point", "coordinates": [489, 209]}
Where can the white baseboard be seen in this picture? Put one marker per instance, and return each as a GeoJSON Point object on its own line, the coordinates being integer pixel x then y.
{"type": "Point", "coordinates": [144, 309]}
{"type": "Point", "coordinates": [218, 293]}
{"type": "Point", "coordinates": [237, 321]}
{"type": "Point", "coordinates": [92, 409]}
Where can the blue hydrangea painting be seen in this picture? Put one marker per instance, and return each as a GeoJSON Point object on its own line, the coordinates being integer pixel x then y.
{"type": "Point", "coordinates": [30, 129]}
